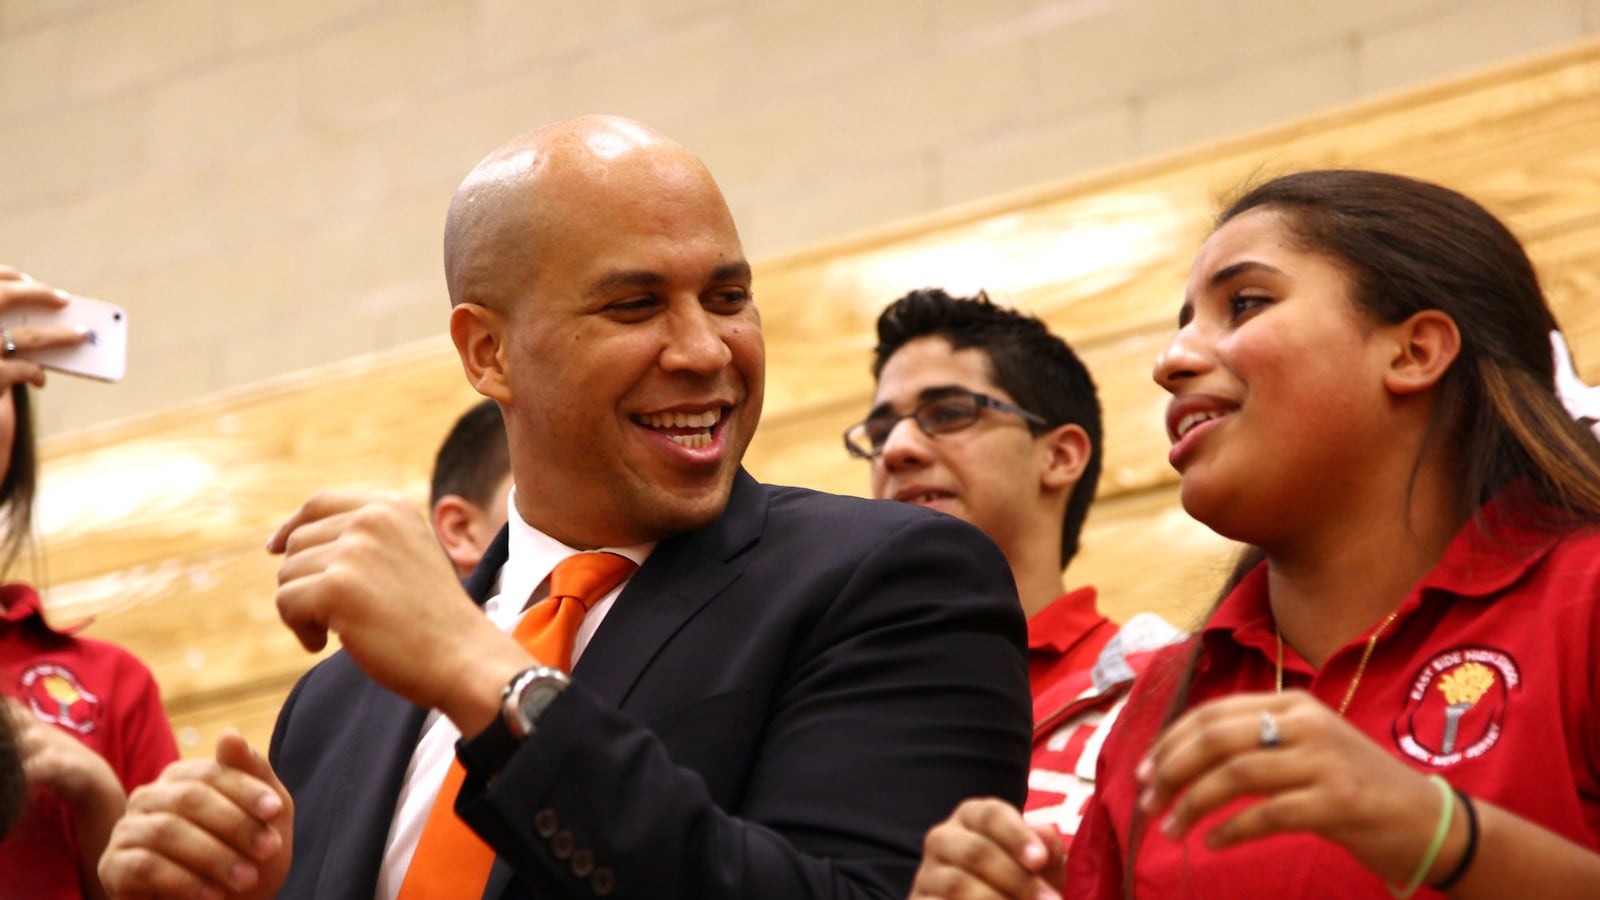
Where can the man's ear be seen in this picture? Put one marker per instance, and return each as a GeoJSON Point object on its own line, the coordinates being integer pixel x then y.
{"type": "Point", "coordinates": [1067, 453]}
{"type": "Point", "coordinates": [479, 333]}
{"type": "Point", "coordinates": [1425, 346]}
{"type": "Point", "coordinates": [456, 522]}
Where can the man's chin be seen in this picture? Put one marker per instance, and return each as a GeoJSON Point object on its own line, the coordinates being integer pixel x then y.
{"type": "Point", "coordinates": [686, 510]}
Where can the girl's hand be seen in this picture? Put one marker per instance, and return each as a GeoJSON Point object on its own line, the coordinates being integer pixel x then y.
{"type": "Point", "coordinates": [1313, 771]}
{"type": "Point", "coordinates": [17, 289]}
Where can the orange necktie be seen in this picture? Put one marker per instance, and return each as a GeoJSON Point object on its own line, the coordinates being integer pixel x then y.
{"type": "Point", "coordinates": [451, 861]}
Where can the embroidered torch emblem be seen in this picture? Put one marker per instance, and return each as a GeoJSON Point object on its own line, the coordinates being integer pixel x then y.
{"type": "Point", "coordinates": [1456, 707]}
{"type": "Point", "coordinates": [1462, 687]}
{"type": "Point", "coordinates": [56, 695]}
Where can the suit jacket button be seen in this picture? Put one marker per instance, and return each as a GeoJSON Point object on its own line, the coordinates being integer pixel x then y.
{"type": "Point", "coordinates": [563, 844]}
{"type": "Point", "coordinates": [602, 881]}
{"type": "Point", "coordinates": [582, 863]}
{"type": "Point", "coordinates": [544, 822]}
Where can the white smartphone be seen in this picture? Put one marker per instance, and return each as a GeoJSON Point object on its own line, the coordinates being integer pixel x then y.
{"type": "Point", "coordinates": [103, 356]}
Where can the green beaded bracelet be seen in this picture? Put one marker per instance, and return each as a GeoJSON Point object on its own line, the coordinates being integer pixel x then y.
{"type": "Point", "coordinates": [1439, 833]}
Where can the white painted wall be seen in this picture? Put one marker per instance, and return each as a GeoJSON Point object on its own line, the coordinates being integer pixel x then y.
{"type": "Point", "coordinates": [263, 182]}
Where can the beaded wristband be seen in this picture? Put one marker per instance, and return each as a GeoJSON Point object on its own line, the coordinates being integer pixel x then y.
{"type": "Point", "coordinates": [1449, 881]}
{"type": "Point", "coordinates": [1439, 832]}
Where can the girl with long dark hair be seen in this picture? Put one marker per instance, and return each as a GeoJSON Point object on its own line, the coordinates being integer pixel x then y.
{"type": "Point", "coordinates": [87, 720]}
{"type": "Point", "coordinates": [1398, 687]}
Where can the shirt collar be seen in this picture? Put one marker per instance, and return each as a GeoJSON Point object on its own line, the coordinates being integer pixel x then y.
{"type": "Point", "coordinates": [1488, 555]}
{"type": "Point", "coordinates": [1065, 622]}
{"type": "Point", "coordinates": [1244, 617]}
{"type": "Point", "coordinates": [20, 604]}
{"type": "Point", "coordinates": [1494, 551]}
{"type": "Point", "coordinates": [532, 555]}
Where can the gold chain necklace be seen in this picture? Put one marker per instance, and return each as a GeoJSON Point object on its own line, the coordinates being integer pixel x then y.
{"type": "Point", "coordinates": [1361, 669]}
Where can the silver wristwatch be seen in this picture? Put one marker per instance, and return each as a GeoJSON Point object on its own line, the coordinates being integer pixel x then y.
{"type": "Point", "coordinates": [527, 695]}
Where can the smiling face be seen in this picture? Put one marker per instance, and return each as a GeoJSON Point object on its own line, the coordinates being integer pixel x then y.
{"type": "Point", "coordinates": [1279, 407]}
{"type": "Point", "coordinates": [987, 474]}
{"type": "Point", "coordinates": [628, 350]}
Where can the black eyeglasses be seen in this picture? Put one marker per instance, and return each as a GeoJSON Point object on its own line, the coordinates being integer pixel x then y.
{"type": "Point", "coordinates": [942, 414]}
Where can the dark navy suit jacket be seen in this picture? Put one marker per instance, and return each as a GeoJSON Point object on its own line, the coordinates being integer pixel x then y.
{"type": "Point", "coordinates": [778, 705]}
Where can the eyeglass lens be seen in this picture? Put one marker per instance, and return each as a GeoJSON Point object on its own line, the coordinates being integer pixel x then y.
{"type": "Point", "coordinates": [936, 416]}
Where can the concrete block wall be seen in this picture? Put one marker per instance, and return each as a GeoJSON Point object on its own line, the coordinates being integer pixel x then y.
{"type": "Point", "coordinates": [262, 182]}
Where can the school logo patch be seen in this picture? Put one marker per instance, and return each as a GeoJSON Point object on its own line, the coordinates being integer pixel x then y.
{"type": "Point", "coordinates": [1457, 706]}
{"type": "Point", "coordinates": [56, 695]}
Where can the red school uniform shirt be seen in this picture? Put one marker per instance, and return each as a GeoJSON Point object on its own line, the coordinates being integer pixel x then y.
{"type": "Point", "coordinates": [1079, 668]}
{"type": "Point", "coordinates": [1486, 677]}
{"type": "Point", "coordinates": [100, 694]}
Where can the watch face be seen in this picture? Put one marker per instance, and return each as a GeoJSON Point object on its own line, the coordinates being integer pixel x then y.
{"type": "Point", "coordinates": [529, 694]}
{"type": "Point", "coordinates": [537, 696]}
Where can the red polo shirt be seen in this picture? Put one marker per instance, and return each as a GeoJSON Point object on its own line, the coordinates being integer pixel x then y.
{"type": "Point", "coordinates": [1065, 637]}
{"type": "Point", "coordinates": [1079, 668]}
{"type": "Point", "coordinates": [98, 693]}
{"type": "Point", "coordinates": [1487, 677]}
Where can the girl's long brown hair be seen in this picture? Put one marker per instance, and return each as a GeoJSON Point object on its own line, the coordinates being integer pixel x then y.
{"type": "Point", "coordinates": [21, 481]}
{"type": "Point", "coordinates": [1409, 246]}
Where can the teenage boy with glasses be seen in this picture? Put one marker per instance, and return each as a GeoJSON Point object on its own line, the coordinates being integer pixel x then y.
{"type": "Point", "coordinates": [982, 413]}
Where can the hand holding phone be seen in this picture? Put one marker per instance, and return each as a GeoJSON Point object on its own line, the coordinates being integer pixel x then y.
{"type": "Point", "coordinates": [62, 331]}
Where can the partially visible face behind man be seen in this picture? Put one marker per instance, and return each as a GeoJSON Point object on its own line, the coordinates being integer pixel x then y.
{"type": "Point", "coordinates": [604, 262]}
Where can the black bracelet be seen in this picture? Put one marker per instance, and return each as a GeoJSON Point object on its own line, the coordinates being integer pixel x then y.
{"type": "Point", "coordinates": [1449, 881]}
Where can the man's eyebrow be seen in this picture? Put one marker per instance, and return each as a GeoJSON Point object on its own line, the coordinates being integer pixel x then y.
{"type": "Point", "coordinates": [941, 390]}
{"type": "Point", "coordinates": [644, 278]}
{"type": "Point", "coordinates": [734, 271]}
{"type": "Point", "coordinates": [923, 396]}
{"type": "Point", "coordinates": [627, 278]}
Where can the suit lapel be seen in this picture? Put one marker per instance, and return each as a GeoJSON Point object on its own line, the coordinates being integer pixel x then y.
{"type": "Point", "coordinates": [364, 806]}
{"type": "Point", "coordinates": [499, 880]}
{"type": "Point", "coordinates": [681, 576]}
{"type": "Point", "coordinates": [385, 720]}
{"type": "Point", "coordinates": [481, 582]}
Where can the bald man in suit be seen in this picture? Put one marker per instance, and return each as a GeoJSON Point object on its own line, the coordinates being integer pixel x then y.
{"type": "Point", "coordinates": [790, 689]}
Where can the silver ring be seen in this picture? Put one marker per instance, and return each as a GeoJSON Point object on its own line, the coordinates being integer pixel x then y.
{"type": "Point", "coordinates": [1270, 737]}
{"type": "Point", "coordinates": [7, 345]}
